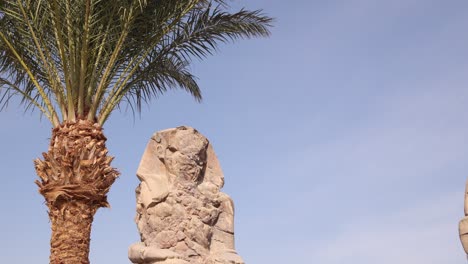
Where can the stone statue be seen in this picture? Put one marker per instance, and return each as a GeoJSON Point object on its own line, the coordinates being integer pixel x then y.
{"type": "Point", "coordinates": [463, 226]}
{"type": "Point", "coordinates": [182, 216]}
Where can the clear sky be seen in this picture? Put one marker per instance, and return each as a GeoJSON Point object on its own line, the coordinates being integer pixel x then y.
{"type": "Point", "coordinates": [343, 139]}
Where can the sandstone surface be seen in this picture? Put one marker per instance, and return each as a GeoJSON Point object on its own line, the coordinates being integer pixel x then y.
{"type": "Point", "coordinates": [182, 216]}
{"type": "Point", "coordinates": [463, 225]}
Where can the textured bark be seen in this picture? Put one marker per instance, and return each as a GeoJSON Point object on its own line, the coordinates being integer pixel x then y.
{"type": "Point", "coordinates": [76, 176]}
{"type": "Point", "coordinates": [71, 230]}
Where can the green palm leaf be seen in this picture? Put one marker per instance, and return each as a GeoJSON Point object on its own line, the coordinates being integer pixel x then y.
{"type": "Point", "coordinates": [80, 59]}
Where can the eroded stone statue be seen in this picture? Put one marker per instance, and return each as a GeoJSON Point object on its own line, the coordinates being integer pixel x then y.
{"type": "Point", "coordinates": [463, 226]}
{"type": "Point", "coordinates": [182, 216]}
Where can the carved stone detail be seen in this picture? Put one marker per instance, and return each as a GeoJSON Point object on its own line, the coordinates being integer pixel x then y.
{"type": "Point", "coordinates": [463, 225]}
{"type": "Point", "coordinates": [182, 216]}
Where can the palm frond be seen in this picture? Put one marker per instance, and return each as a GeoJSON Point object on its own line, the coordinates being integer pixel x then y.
{"type": "Point", "coordinates": [80, 59]}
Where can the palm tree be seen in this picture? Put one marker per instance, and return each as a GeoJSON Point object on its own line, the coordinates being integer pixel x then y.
{"type": "Point", "coordinates": [76, 61]}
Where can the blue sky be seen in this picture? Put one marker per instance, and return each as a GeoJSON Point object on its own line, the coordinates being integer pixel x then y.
{"type": "Point", "coordinates": [343, 139]}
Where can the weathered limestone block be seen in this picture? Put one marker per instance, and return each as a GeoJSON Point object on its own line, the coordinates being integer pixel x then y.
{"type": "Point", "coordinates": [463, 226]}
{"type": "Point", "coordinates": [182, 216]}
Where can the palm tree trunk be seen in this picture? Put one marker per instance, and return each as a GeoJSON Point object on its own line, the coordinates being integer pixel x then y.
{"type": "Point", "coordinates": [76, 176]}
{"type": "Point", "coordinates": [71, 231]}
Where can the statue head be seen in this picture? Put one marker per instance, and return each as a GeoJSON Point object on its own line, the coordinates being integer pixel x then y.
{"type": "Point", "coordinates": [183, 152]}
